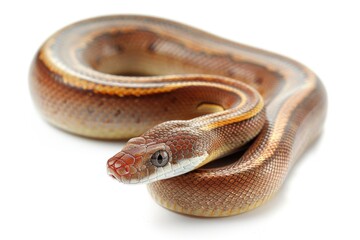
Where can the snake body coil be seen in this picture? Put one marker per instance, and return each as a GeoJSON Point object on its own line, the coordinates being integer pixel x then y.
{"type": "Point", "coordinates": [187, 98]}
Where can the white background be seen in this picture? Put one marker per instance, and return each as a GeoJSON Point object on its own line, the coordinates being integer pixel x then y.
{"type": "Point", "coordinates": [54, 185]}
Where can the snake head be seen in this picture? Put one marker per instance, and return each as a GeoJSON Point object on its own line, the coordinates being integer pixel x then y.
{"type": "Point", "coordinates": [165, 151]}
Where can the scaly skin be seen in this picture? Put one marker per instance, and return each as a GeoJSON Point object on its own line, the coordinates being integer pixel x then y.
{"type": "Point", "coordinates": [121, 77]}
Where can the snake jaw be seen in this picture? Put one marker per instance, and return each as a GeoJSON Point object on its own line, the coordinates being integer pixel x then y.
{"type": "Point", "coordinates": [176, 169]}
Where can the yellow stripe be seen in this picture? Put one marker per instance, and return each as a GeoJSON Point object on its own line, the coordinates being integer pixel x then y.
{"type": "Point", "coordinates": [76, 82]}
{"type": "Point", "coordinates": [236, 119]}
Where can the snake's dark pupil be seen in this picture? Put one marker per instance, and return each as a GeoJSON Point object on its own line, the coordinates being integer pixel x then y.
{"type": "Point", "coordinates": [160, 159]}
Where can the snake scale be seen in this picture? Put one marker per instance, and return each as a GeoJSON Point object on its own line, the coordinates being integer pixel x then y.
{"type": "Point", "coordinates": [184, 97]}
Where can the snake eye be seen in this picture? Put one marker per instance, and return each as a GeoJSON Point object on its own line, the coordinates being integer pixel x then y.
{"type": "Point", "coordinates": [160, 158]}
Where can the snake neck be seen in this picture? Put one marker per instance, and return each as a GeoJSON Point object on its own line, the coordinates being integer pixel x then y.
{"type": "Point", "coordinates": [218, 143]}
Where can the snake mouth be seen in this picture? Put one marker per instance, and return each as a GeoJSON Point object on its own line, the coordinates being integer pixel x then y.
{"type": "Point", "coordinates": [127, 174]}
{"type": "Point", "coordinates": [127, 178]}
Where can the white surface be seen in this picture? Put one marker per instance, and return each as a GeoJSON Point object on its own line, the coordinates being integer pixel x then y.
{"type": "Point", "coordinates": [54, 185]}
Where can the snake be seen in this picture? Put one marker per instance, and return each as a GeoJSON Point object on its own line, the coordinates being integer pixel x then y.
{"type": "Point", "coordinates": [183, 98]}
